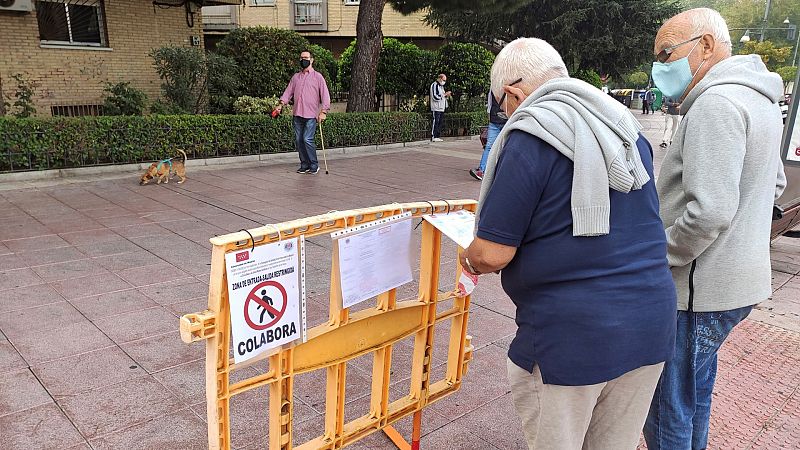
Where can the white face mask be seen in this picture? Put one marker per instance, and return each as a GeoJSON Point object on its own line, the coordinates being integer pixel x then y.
{"type": "Point", "coordinates": [441, 83]}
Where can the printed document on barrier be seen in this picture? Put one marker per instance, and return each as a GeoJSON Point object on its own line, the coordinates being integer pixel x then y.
{"type": "Point", "coordinates": [457, 225]}
{"type": "Point", "coordinates": [374, 258]}
{"type": "Point", "coordinates": [266, 293]}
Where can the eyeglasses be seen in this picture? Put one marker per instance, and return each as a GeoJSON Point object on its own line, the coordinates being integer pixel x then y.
{"type": "Point", "coordinates": [664, 55]}
{"type": "Point", "coordinates": [502, 114]}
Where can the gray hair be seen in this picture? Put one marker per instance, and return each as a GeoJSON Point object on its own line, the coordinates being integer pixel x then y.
{"type": "Point", "coordinates": [533, 60]}
{"type": "Point", "coordinates": [709, 21]}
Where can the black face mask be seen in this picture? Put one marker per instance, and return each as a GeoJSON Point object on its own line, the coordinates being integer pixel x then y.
{"type": "Point", "coordinates": [304, 63]}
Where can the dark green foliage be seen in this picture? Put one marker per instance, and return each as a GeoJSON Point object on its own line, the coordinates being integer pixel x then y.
{"type": "Point", "coordinates": [183, 72]}
{"type": "Point", "coordinates": [589, 76]}
{"type": "Point", "coordinates": [346, 65]}
{"type": "Point", "coordinates": [24, 97]}
{"type": "Point", "coordinates": [410, 6]}
{"type": "Point", "coordinates": [53, 143]}
{"type": "Point", "coordinates": [123, 100]}
{"type": "Point", "coordinates": [266, 58]}
{"type": "Point", "coordinates": [610, 37]}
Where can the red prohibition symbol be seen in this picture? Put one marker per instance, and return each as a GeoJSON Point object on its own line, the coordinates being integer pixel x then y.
{"type": "Point", "coordinates": [265, 302]}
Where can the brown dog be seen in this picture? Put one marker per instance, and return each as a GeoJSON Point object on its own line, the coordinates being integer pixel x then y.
{"type": "Point", "coordinates": [163, 169]}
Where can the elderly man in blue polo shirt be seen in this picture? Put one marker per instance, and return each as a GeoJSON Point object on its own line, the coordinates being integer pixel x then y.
{"type": "Point", "coordinates": [569, 212]}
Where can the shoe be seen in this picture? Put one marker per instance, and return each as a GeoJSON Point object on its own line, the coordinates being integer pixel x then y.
{"type": "Point", "coordinates": [663, 145]}
{"type": "Point", "coordinates": [312, 171]}
{"type": "Point", "coordinates": [437, 139]}
{"type": "Point", "coordinates": [476, 173]}
{"type": "Point", "coordinates": [302, 170]}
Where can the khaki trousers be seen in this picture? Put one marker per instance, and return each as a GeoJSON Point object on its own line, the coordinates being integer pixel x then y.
{"type": "Point", "coordinates": [604, 416]}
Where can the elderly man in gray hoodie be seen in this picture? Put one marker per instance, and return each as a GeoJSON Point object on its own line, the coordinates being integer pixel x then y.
{"type": "Point", "coordinates": [717, 186]}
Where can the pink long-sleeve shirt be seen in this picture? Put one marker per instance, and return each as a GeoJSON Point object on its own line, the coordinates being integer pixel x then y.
{"type": "Point", "coordinates": [309, 90]}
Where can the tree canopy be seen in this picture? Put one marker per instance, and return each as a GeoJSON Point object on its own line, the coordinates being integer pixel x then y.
{"type": "Point", "coordinates": [610, 37]}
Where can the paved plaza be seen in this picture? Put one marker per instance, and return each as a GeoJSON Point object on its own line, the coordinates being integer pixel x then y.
{"type": "Point", "coordinates": [95, 271]}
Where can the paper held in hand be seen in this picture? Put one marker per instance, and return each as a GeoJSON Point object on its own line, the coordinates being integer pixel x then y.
{"type": "Point", "coordinates": [457, 225]}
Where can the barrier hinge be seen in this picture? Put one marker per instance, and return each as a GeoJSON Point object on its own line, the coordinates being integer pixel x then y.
{"type": "Point", "coordinates": [198, 326]}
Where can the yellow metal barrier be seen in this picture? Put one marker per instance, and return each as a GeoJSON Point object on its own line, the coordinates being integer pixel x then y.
{"type": "Point", "coordinates": [344, 337]}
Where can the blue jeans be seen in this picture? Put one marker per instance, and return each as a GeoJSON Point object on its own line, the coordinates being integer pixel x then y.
{"type": "Point", "coordinates": [681, 407]}
{"type": "Point", "coordinates": [304, 141]}
{"type": "Point", "coordinates": [494, 130]}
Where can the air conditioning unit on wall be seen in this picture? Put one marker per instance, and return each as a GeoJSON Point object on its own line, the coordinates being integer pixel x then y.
{"type": "Point", "coordinates": [16, 5]}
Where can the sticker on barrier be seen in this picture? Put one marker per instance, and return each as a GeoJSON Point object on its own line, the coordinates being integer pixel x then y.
{"type": "Point", "coordinates": [266, 297]}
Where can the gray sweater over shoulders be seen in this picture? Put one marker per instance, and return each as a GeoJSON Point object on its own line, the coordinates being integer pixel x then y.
{"type": "Point", "coordinates": [718, 183]}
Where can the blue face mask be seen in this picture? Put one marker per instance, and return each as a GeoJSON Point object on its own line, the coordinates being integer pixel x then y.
{"type": "Point", "coordinates": [673, 78]}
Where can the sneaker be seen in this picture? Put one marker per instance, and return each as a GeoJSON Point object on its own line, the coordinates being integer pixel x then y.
{"type": "Point", "coordinates": [437, 139]}
{"type": "Point", "coordinates": [302, 170]}
{"type": "Point", "coordinates": [476, 173]}
{"type": "Point", "coordinates": [312, 171]}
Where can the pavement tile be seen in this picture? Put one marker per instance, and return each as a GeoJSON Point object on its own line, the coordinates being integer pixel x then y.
{"type": "Point", "coordinates": [176, 291]}
{"type": "Point", "coordinates": [69, 269]}
{"type": "Point", "coordinates": [11, 261]}
{"type": "Point", "coordinates": [54, 343]}
{"type": "Point", "coordinates": [187, 381]}
{"type": "Point", "coordinates": [10, 359]}
{"type": "Point", "coordinates": [42, 427]}
{"type": "Point", "coordinates": [28, 297]}
{"type": "Point", "coordinates": [455, 436]}
{"type": "Point", "coordinates": [50, 256]}
{"type": "Point", "coordinates": [73, 225]}
{"type": "Point", "coordinates": [180, 430]}
{"type": "Point", "coordinates": [33, 321]}
{"type": "Point", "coordinates": [105, 248]}
{"type": "Point", "coordinates": [11, 279]}
{"type": "Point", "coordinates": [111, 408]}
{"type": "Point", "coordinates": [67, 377]}
{"type": "Point", "coordinates": [90, 237]}
{"type": "Point", "coordinates": [113, 303]}
{"type": "Point", "coordinates": [49, 241]}
{"type": "Point", "coordinates": [20, 390]}
{"type": "Point", "coordinates": [123, 221]}
{"type": "Point", "coordinates": [164, 351]}
{"type": "Point", "coordinates": [90, 285]}
{"type": "Point", "coordinates": [500, 414]}
{"type": "Point", "coordinates": [152, 230]}
{"type": "Point", "coordinates": [123, 261]}
{"type": "Point", "coordinates": [189, 306]}
{"type": "Point", "coordinates": [22, 230]}
{"type": "Point", "coordinates": [139, 324]}
{"type": "Point", "coordinates": [152, 274]}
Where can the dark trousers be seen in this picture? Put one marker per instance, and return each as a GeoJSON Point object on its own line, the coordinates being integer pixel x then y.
{"type": "Point", "coordinates": [304, 141]}
{"type": "Point", "coordinates": [436, 128]}
{"type": "Point", "coordinates": [645, 107]}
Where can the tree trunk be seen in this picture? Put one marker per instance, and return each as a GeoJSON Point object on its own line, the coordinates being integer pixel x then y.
{"type": "Point", "coordinates": [365, 62]}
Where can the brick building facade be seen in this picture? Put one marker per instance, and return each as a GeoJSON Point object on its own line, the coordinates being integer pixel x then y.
{"type": "Point", "coordinates": [330, 23]}
{"type": "Point", "coordinates": [70, 49]}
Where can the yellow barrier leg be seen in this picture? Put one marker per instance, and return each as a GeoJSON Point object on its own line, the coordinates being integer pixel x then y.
{"type": "Point", "coordinates": [398, 440]}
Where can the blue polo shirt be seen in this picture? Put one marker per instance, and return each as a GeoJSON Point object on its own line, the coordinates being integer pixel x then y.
{"type": "Point", "coordinates": [589, 309]}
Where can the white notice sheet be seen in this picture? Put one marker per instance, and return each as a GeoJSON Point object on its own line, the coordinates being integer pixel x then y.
{"type": "Point", "coordinates": [458, 225]}
{"type": "Point", "coordinates": [374, 258]}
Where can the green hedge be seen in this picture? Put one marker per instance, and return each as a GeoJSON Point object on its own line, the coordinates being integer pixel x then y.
{"type": "Point", "coordinates": [55, 143]}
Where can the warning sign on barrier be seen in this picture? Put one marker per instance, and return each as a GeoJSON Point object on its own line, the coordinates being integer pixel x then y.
{"type": "Point", "coordinates": [267, 297]}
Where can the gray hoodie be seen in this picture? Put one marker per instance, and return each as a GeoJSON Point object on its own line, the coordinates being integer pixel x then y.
{"type": "Point", "coordinates": [718, 183]}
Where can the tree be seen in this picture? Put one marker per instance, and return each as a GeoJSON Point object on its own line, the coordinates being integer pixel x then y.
{"type": "Point", "coordinates": [369, 37]}
{"type": "Point", "coordinates": [772, 56]}
{"type": "Point", "coordinates": [610, 37]}
{"type": "Point", "coordinates": [365, 60]}
{"type": "Point", "coordinates": [788, 74]}
{"type": "Point", "coordinates": [638, 79]}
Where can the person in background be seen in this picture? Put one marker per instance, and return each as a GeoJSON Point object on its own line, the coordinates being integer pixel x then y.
{"type": "Point", "coordinates": [672, 117]}
{"type": "Point", "coordinates": [717, 185]}
{"type": "Point", "coordinates": [438, 104]}
{"type": "Point", "coordinates": [497, 118]}
{"type": "Point", "coordinates": [312, 101]}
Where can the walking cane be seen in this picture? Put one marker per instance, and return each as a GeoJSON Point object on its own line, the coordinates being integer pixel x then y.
{"type": "Point", "coordinates": [322, 139]}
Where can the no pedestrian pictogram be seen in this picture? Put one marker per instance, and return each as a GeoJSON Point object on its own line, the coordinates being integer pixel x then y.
{"type": "Point", "coordinates": [265, 305]}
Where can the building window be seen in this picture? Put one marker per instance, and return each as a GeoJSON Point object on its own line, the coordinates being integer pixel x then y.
{"type": "Point", "coordinates": [72, 22]}
{"type": "Point", "coordinates": [352, 2]}
{"type": "Point", "coordinates": [308, 12]}
{"type": "Point", "coordinates": [262, 2]}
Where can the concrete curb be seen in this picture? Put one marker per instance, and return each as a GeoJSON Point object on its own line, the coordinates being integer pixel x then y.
{"type": "Point", "coordinates": [199, 164]}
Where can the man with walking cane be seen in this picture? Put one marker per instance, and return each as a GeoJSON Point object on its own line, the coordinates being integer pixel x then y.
{"type": "Point", "coordinates": [312, 101]}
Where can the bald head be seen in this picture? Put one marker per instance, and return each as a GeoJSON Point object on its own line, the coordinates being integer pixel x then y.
{"type": "Point", "coordinates": [700, 34]}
